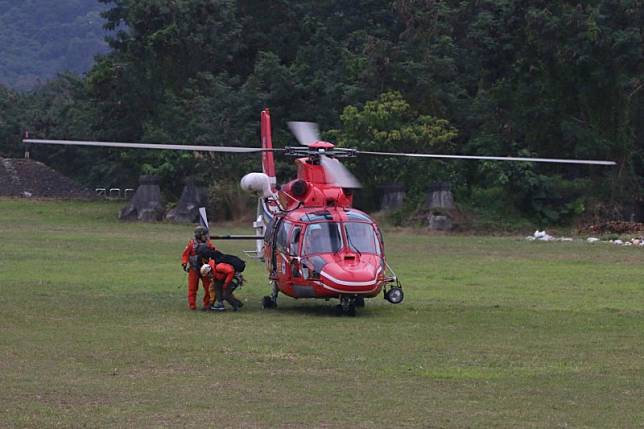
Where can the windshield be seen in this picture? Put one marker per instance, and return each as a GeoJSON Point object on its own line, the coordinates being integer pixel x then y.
{"type": "Point", "coordinates": [322, 237]}
{"type": "Point", "coordinates": [361, 237]}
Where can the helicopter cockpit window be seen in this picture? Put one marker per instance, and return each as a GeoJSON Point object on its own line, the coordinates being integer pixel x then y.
{"type": "Point", "coordinates": [379, 235]}
{"type": "Point", "coordinates": [324, 237]}
{"type": "Point", "coordinates": [361, 237]}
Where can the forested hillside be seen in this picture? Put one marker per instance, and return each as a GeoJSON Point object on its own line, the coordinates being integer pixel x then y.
{"type": "Point", "coordinates": [494, 77]}
{"type": "Point", "coordinates": [39, 38]}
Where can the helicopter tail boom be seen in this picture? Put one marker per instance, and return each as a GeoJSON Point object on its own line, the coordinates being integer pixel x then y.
{"type": "Point", "coordinates": [268, 162]}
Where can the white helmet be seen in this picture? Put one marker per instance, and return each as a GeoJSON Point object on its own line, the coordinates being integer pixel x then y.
{"type": "Point", "coordinates": [205, 270]}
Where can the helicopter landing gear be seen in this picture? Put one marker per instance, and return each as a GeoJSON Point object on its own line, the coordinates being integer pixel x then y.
{"type": "Point", "coordinates": [347, 306]}
{"type": "Point", "coordinates": [271, 301]}
{"type": "Point", "coordinates": [267, 302]}
{"type": "Point", "coordinates": [360, 301]}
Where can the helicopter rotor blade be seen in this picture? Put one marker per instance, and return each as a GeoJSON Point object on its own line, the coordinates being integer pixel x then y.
{"type": "Point", "coordinates": [311, 133]}
{"type": "Point", "coordinates": [338, 174]}
{"type": "Point", "coordinates": [489, 158]}
{"type": "Point", "coordinates": [306, 133]}
{"type": "Point", "coordinates": [194, 148]}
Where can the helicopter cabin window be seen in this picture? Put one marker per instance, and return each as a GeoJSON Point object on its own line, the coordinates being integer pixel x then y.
{"type": "Point", "coordinates": [295, 240]}
{"type": "Point", "coordinates": [324, 237]}
{"type": "Point", "coordinates": [361, 237]}
{"type": "Point", "coordinates": [282, 236]}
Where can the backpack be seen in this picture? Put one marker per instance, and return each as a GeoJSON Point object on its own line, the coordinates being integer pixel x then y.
{"type": "Point", "coordinates": [237, 263]}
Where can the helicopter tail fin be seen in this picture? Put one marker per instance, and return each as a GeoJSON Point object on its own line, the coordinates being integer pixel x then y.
{"type": "Point", "coordinates": [268, 163]}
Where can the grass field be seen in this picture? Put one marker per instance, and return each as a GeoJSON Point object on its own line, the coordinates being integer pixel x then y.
{"type": "Point", "coordinates": [494, 332]}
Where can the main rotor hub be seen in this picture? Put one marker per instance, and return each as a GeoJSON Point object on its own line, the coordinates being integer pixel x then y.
{"type": "Point", "coordinates": [319, 148]}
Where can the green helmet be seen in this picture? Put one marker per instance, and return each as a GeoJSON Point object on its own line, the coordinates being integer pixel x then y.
{"type": "Point", "coordinates": [201, 232]}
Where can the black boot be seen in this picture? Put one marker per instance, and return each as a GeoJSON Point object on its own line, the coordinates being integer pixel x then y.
{"type": "Point", "coordinates": [237, 301]}
{"type": "Point", "coordinates": [217, 306]}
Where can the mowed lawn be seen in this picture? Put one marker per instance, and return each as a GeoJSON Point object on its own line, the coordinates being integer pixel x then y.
{"type": "Point", "coordinates": [493, 332]}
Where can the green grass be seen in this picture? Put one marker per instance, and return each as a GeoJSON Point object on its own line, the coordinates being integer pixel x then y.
{"type": "Point", "coordinates": [494, 332]}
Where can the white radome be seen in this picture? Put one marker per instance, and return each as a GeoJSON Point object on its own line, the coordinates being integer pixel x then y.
{"type": "Point", "coordinates": [258, 183]}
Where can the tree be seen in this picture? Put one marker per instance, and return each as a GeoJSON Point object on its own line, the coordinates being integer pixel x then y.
{"type": "Point", "coordinates": [390, 124]}
{"type": "Point", "coordinates": [9, 122]}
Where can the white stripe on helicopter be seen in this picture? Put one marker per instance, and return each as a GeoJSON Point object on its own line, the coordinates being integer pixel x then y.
{"type": "Point", "coordinates": [344, 291]}
{"type": "Point", "coordinates": [342, 282]}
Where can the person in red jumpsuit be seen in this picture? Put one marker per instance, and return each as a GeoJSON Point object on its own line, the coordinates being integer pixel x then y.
{"type": "Point", "coordinates": [191, 263]}
{"type": "Point", "coordinates": [221, 277]}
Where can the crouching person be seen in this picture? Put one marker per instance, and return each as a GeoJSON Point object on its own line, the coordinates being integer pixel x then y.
{"type": "Point", "coordinates": [223, 281]}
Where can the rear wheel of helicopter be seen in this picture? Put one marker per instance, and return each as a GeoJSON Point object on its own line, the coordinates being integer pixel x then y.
{"type": "Point", "coordinates": [359, 301]}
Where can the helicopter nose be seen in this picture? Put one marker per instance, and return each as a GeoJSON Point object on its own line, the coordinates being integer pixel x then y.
{"type": "Point", "coordinates": [353, 276]}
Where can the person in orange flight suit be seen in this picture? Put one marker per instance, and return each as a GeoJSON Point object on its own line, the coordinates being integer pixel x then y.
{"type": "Point", "coordinates": [221, 277]}
{"type": "Point", "coordinates": [191, 264]}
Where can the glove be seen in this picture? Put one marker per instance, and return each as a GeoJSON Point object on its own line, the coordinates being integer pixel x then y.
{"type": "Point", "coordinates": [185, 267]}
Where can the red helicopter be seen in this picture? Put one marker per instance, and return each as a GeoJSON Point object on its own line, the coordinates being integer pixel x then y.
{"type": "Point", "coordinates": [313, 242]}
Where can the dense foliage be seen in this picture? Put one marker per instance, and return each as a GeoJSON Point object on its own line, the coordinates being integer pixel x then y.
{"type": "Point", "coordinates": [493, 77]}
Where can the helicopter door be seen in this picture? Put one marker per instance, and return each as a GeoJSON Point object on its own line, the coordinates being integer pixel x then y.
{"type": "Point", "coordinates": [282, 258]}
{"type": "Point", "coordinates": [270, 243]}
